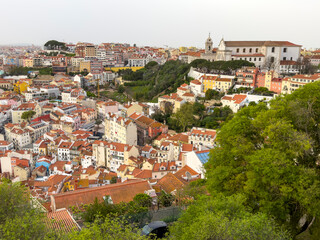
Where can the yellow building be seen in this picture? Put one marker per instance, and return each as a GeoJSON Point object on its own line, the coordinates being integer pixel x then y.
{"type": "Point", "coordinates": [216, 83]}
{"type": "Point", "coordinates": [28, 63]}
{"type": "Point", "coordinates": [21, 172]}
{"type": "Point", "coordinates": [268, 78]}
{"type": "Point", "coordinates": [85, 66]}
{"type": "Point", "coordinates": [20, 87]}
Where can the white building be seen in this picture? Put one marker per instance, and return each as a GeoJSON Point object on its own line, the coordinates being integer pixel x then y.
{"type": "Point", "coordinates": [64, 151]}
{"type": "Point", "coordinates": [202, 137]}
{"type": "Point", "coordinates": [72, 95]}
{"type": "Point", "coordinates": [196, 88]}
{"type": "Point", "coordinates": [264, 54]}
{"type": "Point", "coordinates": [119, 129]}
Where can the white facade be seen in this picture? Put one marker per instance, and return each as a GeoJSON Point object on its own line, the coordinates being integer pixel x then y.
{"type": "Point", "coordinates": [118, 129]}
{"type": "Point", "coordinates": [264, 54]}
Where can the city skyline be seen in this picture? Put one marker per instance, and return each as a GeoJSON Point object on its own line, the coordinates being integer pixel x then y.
{"type": "Point", "coordinates": [165, 23]}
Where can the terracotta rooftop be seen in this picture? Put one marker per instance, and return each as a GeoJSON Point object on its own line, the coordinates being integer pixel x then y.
{"type": "Point", "coordinates": [61, 220]}
{"type": "Point", "coordinates": [119, 192]}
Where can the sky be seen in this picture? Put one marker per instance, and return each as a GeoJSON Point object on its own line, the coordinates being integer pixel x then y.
{"type": "Point", "coordinates": [160, 23]}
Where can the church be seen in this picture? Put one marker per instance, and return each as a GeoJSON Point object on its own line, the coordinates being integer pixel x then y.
{"type": "Point", "coordinates": [264, 54]}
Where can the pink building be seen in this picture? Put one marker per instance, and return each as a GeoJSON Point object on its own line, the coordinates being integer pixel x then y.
{"type": "Point", "coordinates": [276, 85]}
{"type": "Point", "coordinates": [260, 82]}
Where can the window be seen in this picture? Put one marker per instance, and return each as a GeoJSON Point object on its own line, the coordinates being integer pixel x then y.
{"type": "Point", "coordinates": [272, 59]}
{"type": "Point", "coordinates": [284, 58]}
{"type": "Point", "coordinates": [244, 50]}
{"type": "Point", "coordinates": [257, 50]}
{"type": "Point", "coordinates": [259, 59]}
{"type": "Point", "coordinates": [272, 49]}
{"type": "Point", "coordinates": [237, 50]}
{"type": "Point", "coordinates": [255, 59]}
{"type": "Point", "coordinates": [250, 50]}
{"type": "Point", "coordinates": [285, 49]}
{"type": "Point", "coordinates": [250, 59]}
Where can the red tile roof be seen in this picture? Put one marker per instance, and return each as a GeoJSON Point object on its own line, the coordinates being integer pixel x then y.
{"type": "Point", "coordinates": [61, 220]}
{"type": "Point", "coordinates": [119, 192]}
{"type": "Point", "coordinates": [144, 174]}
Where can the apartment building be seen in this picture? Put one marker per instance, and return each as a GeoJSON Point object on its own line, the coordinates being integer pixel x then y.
{"type": "Point", "coordinates": [119, 129]}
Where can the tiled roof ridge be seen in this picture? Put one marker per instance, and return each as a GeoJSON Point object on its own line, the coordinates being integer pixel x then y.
{"type": "Point", "coordinates": [110, 186]}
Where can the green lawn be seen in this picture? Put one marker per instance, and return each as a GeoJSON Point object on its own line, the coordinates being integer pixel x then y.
{"type": "Point", "coordinates": [120, 97]}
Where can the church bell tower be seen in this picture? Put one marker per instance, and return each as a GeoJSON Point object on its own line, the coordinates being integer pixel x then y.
{"type": "Point", "coordinates": [209, 45]}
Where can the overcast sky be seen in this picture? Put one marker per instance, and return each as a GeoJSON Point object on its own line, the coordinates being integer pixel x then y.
{"type": "Point", "coordinates": [159, 22]}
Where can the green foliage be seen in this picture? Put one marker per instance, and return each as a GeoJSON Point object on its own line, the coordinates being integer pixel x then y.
{"type": "Point", "coordinates": [184, 116]}
{"type": "Point", "coordinates": [155, 79]}
{"type": "Point", "coordinates": [220, 66]}
{"type": "Point", "coordinates": [119, 97]}
{"type": "Point", "coordinates": [212, 94]}
{"type": "Point", "coordinates": [198, 108]}
{"type": "Point", "coordinates": [121, 89]}
{"type": "Point", "coordinates": [135, 211]}
{"type": "Point", "coordinates": [113, 180]}
{"type": "Point", "coordinates": [270, 155]}
{"type": "Point", "coordinates": [239, 90]}
{"type": "Point", "coordinates": [165, 199]}
{"type": "Point", "coordinates": [151, 64]}
{"type": "Point", "coordinates": [91, 94]}
{"type": "Point", "coordinates": [225, 218]}
{"type": "Point", "coordinates": [18, 219]}
{"type": "Point", "coordinates": [143, 200]}
{"type": "Point", "coordinates": [263, 91]}
{"type": "Point", "coordinates": [28, 115]}
{"type": "Point", "coordinates": [108, 228]}
{"type": "Point", "coordinates": [24, 70]}
{"type": "Point", "coordinates": [55, 45]}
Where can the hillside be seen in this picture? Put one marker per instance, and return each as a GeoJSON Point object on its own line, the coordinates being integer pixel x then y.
{"type": "Point", "coordinates": [148, 83]}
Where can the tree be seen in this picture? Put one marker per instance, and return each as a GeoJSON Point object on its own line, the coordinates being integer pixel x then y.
{"type": "Point", "coordinates": [16, 210]}
{"type": "Point", "coordinates": [55, 45]}
{"type": "Point", "coordinates": [28, 115]}
{"type": "Point", "coordinates": [151, 64]}
{"type": "Point", "coordinates": [108, 228]}
{"type": "Point", "coordinates": [263, 91]}
{"type": "Point", "coordinates": [91, 94]}
{"type": "Point", "coordinates": [184, 116]}
{"type": "Point", "coordinates": [211, 94]}
{"type": "Point", "coordinates": [121, 89]}
{"type": "Point", "coordinates": [270, 155]}
{"type": "Point", "coordinates": [165, 199]}
{"type": "Point", "coordinates": [113, 180]}
{"type": "Point", "coordinates": [143, 200]}
{"type": "Point", "coordinates": [98, 122]}
{"type": "Point", "coordinates": [225, 218]}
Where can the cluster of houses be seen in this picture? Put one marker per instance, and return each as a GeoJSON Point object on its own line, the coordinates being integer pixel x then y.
{"type": "Point", "coordinates": [61, 151]}
{"type": "Point", "coordinates": [69, 149]}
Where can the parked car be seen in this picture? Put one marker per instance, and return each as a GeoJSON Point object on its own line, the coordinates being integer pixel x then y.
{"type": "Point", "coordinates": [156, 229]}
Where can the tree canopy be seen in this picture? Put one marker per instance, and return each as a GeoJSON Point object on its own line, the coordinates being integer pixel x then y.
{"type": "Point", "coordinates": [224, 218]}
{"type": "Point", "coordinates": [27, 115]}
{"type": "Point", "coordinates": [18, 218]}
{"type": "Point", "coordinates": [220, 66]}
{"type": "Point", "coordinates": [271, 156]}
{"type": "Point", "coordinates": [55, 45]}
